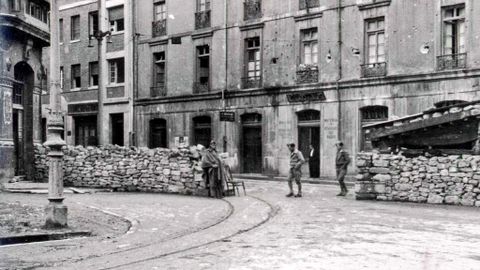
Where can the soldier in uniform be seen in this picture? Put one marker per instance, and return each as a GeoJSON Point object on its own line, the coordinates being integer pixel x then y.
{"type": "Point", "coordinates": [295, 172]}
{"type": "Point", "coordinates": [341, 163]}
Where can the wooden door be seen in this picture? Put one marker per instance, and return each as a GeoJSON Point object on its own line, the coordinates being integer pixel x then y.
{"type": "Point", "coordinates": [252, 149]}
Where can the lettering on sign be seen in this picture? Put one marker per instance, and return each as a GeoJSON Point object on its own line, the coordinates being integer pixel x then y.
{"type": "Point", "coordinates": [82, 108]}
{"type": "Point", "coordinates": [330, 127]}
{"type": "Point", "coordinates": [181, 141]}
{"type": "Point", "coordinates": [7, 108]}
{"type": "Point", "coordinates": [306, 96]}
{"type": "Point", "coordinates": [227, 116]}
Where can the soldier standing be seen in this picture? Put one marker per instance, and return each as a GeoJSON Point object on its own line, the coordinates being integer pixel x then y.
{"type": "Point", "coordinates": [295, 172]}
{"type": "Point", "coordinates": [341, 163]}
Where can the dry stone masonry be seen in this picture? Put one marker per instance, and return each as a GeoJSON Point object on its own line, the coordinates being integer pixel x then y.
{"type": "Point", "coordinates": [450, 179]}
{"type": "Point", "coordinates": [127, 169]}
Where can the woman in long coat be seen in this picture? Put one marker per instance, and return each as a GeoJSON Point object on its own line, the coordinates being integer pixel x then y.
{"type": "Point", "coordinates": [212, 170]}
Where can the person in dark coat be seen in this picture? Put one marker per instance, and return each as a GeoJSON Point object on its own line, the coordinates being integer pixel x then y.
{"type": "Point", "coordinates": [213, 174]}
{"type": "Point", "coordinates": [313, 162]}
{"type": "Point", "coordinates": [341, 163]}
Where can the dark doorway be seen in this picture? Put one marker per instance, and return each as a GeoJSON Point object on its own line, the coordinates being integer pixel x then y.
{"type": "Point", "coordinates": [309, 134]}
{"type": "Point", "coordinates": [252, 143]}
{"type": "Point", "coordinates": [86, 130]}
{"type": "Point", "coordinates": [22, 99]}
{"type": "Point", "coordinates": [117, 128]}
{"type": "Point", "coordinates": [158, 133]}
{"type": "Point", "coordinates": [202, 130]}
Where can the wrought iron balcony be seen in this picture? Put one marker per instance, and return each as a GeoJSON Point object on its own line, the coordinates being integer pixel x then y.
{"type": "Point", "coordinates": [199, 87]}
{"type": "Point", "coordinates": [374, 70]}
{"type": "Point", "coordinates": [252, 9]}
{"type": "Point", "coordinates": [252, 82]}
{"type": "Point", "coordinates": [306, 4]}
{"type": "Point", "coordinates": [452, 61]}
{"type": "Point", "coordinates": [159, 28]}
{"type": "Point", "coordinates": [202, 19]}
{"type": "Point", "coordinates": [307, 74]}
{"type": "Point", "coordinates": [158, 91]}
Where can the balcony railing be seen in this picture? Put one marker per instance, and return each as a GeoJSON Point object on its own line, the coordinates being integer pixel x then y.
{"type": "Point", "coordinates": [374, 70]}
{"type": "Point", "coordinates": [202, 19]}
{"type": "Point", "coordinates": [452, 61]}
{"type": "Point", "coordinates": [252, 82]}
{"type": "Point", "coordinates": [158, 91]}
{"type": "Point", "coordinates": [159, 28]}
{"type": "Point", "coordinates": [199, 87]}
{"type": "Point", "coordinates": [305, 4]}
{"type": "Point", "coordinates": [252, 9]}
{"type": "Point", "coordinates": [307, 74]}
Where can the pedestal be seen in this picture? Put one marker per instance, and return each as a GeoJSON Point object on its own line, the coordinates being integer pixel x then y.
{"type": "Point", "coordinates": [56, 215]}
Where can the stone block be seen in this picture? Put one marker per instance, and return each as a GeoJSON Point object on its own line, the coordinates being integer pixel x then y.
{"type": "Point", "coordinates": [379, 170]}
{"type": "Point", "coordinates": [381, 163]}
{"type": "Point", "coordinates": [452, 200]}
{"type": "Point", "coordinates": [435, 199]}
{"type": "Point", "coordinates": [381, 177]}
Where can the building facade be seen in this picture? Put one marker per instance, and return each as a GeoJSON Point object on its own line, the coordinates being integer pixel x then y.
{"type": "Point", "coordinates": [80, 74]}
{"type": "Point", "coordinates": [305, 71]}
{"type": "Point", "coordinates": [24, 31]}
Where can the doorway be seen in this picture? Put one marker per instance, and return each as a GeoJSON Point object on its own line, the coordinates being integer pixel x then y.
{"type": "Point", "coordinates": [252, 143]}
{"type": "Point", "coordinates": [309, 134]}
{"type": "Point", "coordinates": [117, 128]}
{"type": "Point", "coordinates": [202, 130]}
{"type": "Point", "coordinates": [86, 130]}
{"type": "Point", "coordinates": [158, 133]}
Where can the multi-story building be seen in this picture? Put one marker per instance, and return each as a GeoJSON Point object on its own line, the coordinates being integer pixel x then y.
{"type": "Point", "coordinates": [24, 31]}
{"type": "Point", "coordinates": [305, 71]}
{"type": "Point", "coordinates": [79, 71]}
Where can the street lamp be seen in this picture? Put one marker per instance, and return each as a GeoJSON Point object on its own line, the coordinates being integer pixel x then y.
{"type": "Point", "coordinates": [56, 211]}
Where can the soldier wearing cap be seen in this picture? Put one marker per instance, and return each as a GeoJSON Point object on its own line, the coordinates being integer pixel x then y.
{"type": "Point", "coordinates": [341, 163]}
{"type": "Point", "coordinates": [295, 172]}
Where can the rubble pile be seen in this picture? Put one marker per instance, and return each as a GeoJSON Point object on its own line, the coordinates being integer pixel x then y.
{"type": "Point", "coordinates": [127, 168]}
{"type": "Point", "coordinates": [450, 179]}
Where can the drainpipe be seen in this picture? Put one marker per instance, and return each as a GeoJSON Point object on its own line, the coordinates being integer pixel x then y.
{"type": "Point", "coordinates": [340, 71]}
{"type": "Point", "coordinates": [226, 75]}
{"type": "Point", "coordinates": [135, 73]}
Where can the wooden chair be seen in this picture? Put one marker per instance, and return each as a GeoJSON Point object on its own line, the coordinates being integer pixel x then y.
{"type": "Point", "coordinates": [232, 184]}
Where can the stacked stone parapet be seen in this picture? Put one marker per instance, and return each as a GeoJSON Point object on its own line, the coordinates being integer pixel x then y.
{"type": "Point", "coordinates": [450, 179]}
{"type": "Point", "coordinates": [127, 169]}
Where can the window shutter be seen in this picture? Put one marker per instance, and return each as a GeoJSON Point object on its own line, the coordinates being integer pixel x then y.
{"type": "Point", "coordinates": [115, 13]}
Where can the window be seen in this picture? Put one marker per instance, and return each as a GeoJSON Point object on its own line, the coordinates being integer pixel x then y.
{"type": "Point", "coordinates": [158, 133]}
{"type": "Point", "coordinates": [115, 17]}
{"type": "Point", "coordinates": [76, 78]}
{"type": "Point", "coordinates": [375, 41]}
{"type": "Point", "coordinates": [60, 29]}
{"type": "Point", "coordinates": [370, 115]}
{"type": "Point", "coordinates": [93, 73]}
{"type": "Point", "coordinates": [306, 4]}
{"type": "Point", "coordinates": [253, 62]}
{"type": "Point", "coordinates": [160, 11]}
{"type": "Point", "coordinates": [203, 5]}
{"type": "Point", "coordinates": [116, 70]}
{"type": "Point", "coordinates": [62, 78]}
{"type": "Point", "coordinates": [75, 27]}
{"type": "Point", "coordinates": [159, 74]}
{"type": "Point", "coordinates": [309, 46]}
{"type": "Point", "coordinates": [203, 68]}
{"type": "Point", "coordinates": [92, 23]}
{"type": "Point", "coordinates": [202, 130]}
{"type": "Point", "coordinates": [454, 30]}
{"type": "Point", "coordinates": [38, 11]}
{"type": "Point", "coordinates": [14, 5]}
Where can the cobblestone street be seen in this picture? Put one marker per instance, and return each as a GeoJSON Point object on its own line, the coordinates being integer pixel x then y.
{"type": "Point", "coordinates": [265, 230]}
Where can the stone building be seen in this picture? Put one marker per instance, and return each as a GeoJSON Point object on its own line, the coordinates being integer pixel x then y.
{"type": "Point", "coordinates": [308, 71]}
{"type": "Point", "coordinates": [23, 32]}
{"type": "Point", "coordinates": [80, 73]}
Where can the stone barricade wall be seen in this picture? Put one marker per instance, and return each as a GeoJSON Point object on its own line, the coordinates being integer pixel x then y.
{"type": "Point", "coordinates": [127, 169]}
{"type": "Point", "coordinates": [439, 180]}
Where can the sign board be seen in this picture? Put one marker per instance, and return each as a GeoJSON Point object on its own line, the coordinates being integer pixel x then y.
{"type": "Point", "coordinates": [181, 141]}
{"type": "Point", "coordinates": [227, 116]}
{"type": "Point", "coordinates": [306, 96]}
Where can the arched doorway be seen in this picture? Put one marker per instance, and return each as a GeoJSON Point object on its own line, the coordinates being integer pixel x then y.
{"type": "Point", "coordinates": [22, 123]}
{"type": "Point", "coordinates": [202, 130]}
{"type": "Point", "coordinates": [158, 133]}
{"type": "Point", "coordinates": [252, 143]}
{"type": "Point", "coordinates": [309, 134]}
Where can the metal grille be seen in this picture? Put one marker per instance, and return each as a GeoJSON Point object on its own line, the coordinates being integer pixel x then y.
{"type": "Point", "coordinates": [452, 61]}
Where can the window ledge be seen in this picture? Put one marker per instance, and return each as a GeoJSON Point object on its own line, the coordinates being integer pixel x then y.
{"type": "Point", "coordinates": [117, 33]}
{"type": "Point", "coordinates": [75, 41]}
{"type": "Point", "coordinates": [93, 87]}
{"type": "Point", "coordinates": [368, 4]}
{"type": "Point", "coordinates": [115, 84]}
{"type": "Point", "coordinates": [75, 89]}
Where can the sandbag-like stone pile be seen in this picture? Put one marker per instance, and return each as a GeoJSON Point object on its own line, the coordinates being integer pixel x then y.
{"type": "Point", "coordinates": [127, 169]}
{"type": "Point", "coordinates": [439, 180]}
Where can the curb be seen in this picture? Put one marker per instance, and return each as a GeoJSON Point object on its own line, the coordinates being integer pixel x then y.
{"type": "Point", "coordinates": [36, 238]}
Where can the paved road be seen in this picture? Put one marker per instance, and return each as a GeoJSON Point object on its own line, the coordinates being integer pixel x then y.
{"type": "Point", "coordinates": [265, 230]}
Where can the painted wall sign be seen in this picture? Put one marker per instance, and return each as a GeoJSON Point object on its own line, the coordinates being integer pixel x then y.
{"type": "Point", "coordinates": [181, 141]}
{"type": "Point", "coordinates": [227, 116]}
{"type": "Point", "coordinates": [7, 108]}
{"type": "Point", "coordinates": [306, 96]}
{"type": "Point", "coordinates": [330, 127]}
{"type": "Point", "coordinates": [82, 108]}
